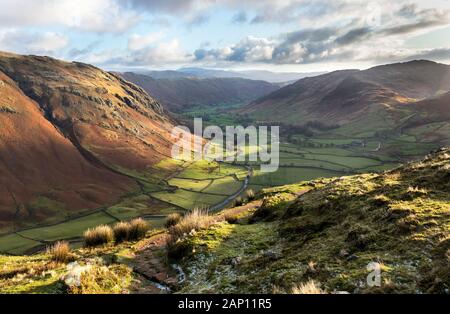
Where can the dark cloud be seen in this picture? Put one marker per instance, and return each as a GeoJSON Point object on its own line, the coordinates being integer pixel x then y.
{"type": "Point", "coordinates": [311, 35]}
{"type": "Point", "coordinates": [75, 53]}
{"type": "Point", "coordinates": [353, 36]}
{"type": "Point", "coordinates": [431, 54]}
{"type": "Point", "coordinates": [419, 19]}
{"type": "Point", "coordinates": [164, 6]}
{"type": "Point", "coordinates": [412, 27]}
{"type": "Point", "coordinates": [198, 20]}
{"type": "Point", "coordinates": [408, 10]}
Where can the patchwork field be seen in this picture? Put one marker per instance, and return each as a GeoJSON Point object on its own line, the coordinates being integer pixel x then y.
{"type": "Point", "coordinates": [168, 187]}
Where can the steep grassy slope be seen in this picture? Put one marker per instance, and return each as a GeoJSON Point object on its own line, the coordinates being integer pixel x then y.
{"type": "Point", "coordinates": [181, 93]}
{"type": "Point", "coordinates": [73, 138]}
{"type": "Point", "coordinates": [330, 233]}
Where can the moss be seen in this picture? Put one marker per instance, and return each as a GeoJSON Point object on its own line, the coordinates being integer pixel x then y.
{"type": "Point", "coordinates": [114, 279]}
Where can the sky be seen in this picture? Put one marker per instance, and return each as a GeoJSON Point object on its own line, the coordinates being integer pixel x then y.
{"type": "Point", "coordinates": [282, 35]}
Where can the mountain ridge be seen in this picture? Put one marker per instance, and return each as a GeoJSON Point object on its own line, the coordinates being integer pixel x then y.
{"type": "Point", "coordinates": [342, 97]}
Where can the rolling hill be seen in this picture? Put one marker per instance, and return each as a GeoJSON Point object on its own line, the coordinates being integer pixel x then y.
{"type": "Point", "coordinates": [184, 92]}
{"type": "Point", "coordinates": [73, 137]}
{"type": "Point", "coordinates": [379, 98]}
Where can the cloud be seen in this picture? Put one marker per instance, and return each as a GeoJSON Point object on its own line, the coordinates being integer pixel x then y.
{"type": "Point", "coordinates": [101, 16]}
{"type": "Point", "coordinates": [239, 17]}
{"type": "Point", "coordinates": [76, 53]}
{"type": "Point", "coordinates": [32, 42]}
{"type": "Point", "coordinates": [250, 49]}
{"type": "Point", "coordinates": [138, 42]}
{"type": "Point", "coordinates": [165, 6]}
{"type": "Point", "coordinates": [156, 54]}
{"type": "Point", "coordinates": [354, 35]}
{"type": "Point", "coordinates": [350, 38]}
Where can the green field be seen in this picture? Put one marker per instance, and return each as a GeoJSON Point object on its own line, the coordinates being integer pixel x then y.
{"type": "Point", "coordinates": [71, 229]}
{"type": "Point", "coordinates": [190, 184]}
{"type": "Point", "coordinates": [287, 175]}
{"type": "Point", "coordinates": [224, 186]}
{"type": "Point", "coordinates": [188, 200]}
{"type": "Point", "coordinates": [15, 244]}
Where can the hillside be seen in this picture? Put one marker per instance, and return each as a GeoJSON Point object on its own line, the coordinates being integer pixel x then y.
{"type": "Point", "coordinates": [378, 98]}
{"type": "Point", "coordinates": [328, 231]}
{"type": "Point", "coordinates": [184, 92]}
{"type": "Point", "coordinates": [72, 138]}
{"type": "Point", "coordinates": [323, 232]}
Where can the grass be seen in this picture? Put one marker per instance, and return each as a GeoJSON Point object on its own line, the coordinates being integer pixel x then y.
{"type": "Point", "coordinates": [310, 287]}
{"type": "Point", "coordinates": [288, 175]}
{"type": "Point", "coordinates": [59, 252]}
{"type": "Point", "coordinates": [97, 236]}
{"type": "Point", "coordinates": [71, 229]}
{"type": "Point", "coordinates": [193, 221]}
{"type": "Point", "coordinates": [398, 219]}
{"type": "Point", "coordinates": [190, 184]}
{"type": "Point", "coordinates": [15, 244]}
{"type": "Point", "coordinates": [224, 186]}
{"type": "Point", "coordinates": [114, 279]}
{"type": "Point", "coordinates": [238, 201]}
{"type": "Point", "coordinates": [196, 219]}
{"type": "Point", "coordinates": [138, 229]}
{"type": "Point", "coordinates": [187, 199]}
{"type": "Point", "coordinates": [121, 231]}
{"type": "Point", "coordinates": [172, 220]}
{"type": "Point", "coordinates": [250, 194]}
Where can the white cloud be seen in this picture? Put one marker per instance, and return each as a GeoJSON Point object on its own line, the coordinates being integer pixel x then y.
{"type": "Point", "coordinates": [87, 15]}
{"type": "Point", "coordinates": [156, 54]}
{"type": "Point", "coordinates": [138, 42]}
{"type": "Point", "coordinates": [163, 52]}
{"type": "Point", "coordinates": [31, 42]}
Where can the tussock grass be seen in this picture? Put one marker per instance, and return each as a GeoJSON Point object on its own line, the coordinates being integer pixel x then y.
{"type": "Point", "coordinates": [196, 219]}
{"type": "Point", "coordinates": [59, 252]}
{"type": "Point", "coordinates": [239, 201]}
{"type": "Point", "coordinates": [138, 229]}
{"type": "Point", "coordinates": [97, 236]}
{"type": "Point", "coordinates": [121, 231]}
{"type": "Point", "coordinates": [310, 287]}
{"type": "Point", "coordinates": [250, 194]}
{"type": "Point", "coordinates": [172, 220]}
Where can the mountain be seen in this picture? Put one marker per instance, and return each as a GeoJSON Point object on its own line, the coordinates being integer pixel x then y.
{"type": "Point", "coordinates": [379, 98]}
{"type": "Point", "coordinates": [71, 134]}
{"type": "Point", "coordinates": [185, 92]}
{"type": "Point", "coordinates": [167, 74]}
{"type": "Point", "coordinates": [272, 77]}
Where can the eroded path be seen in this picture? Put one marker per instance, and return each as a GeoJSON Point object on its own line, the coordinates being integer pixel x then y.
{"type": "Point", "coordinates": [150, 261]}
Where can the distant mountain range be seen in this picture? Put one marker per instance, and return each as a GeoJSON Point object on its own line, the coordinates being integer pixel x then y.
{"type": "Point", "coordinates": [381, 98]}
{"type": "Point", "coordinates": [272, 77]}
{"type": "Point", "coordinates": [178, 93]}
